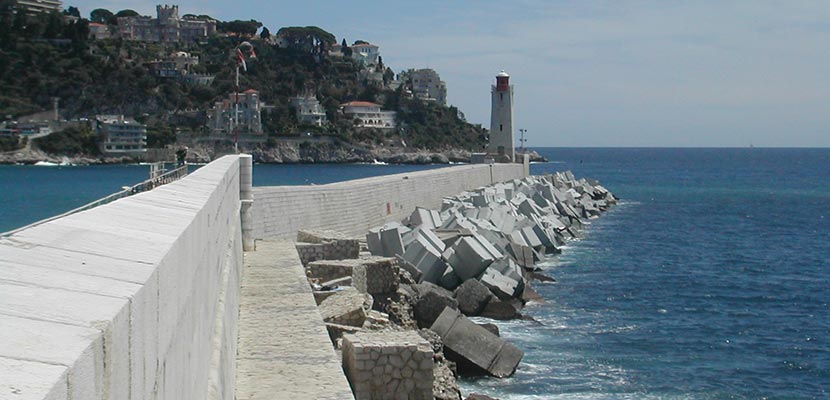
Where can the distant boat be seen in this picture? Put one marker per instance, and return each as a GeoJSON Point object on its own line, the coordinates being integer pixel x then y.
{"type": "Point", "coordinates": [64, 163]}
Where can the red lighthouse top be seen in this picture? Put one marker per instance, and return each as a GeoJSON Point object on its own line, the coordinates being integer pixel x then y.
{"type": "Point", "coordinates": [502, 81]}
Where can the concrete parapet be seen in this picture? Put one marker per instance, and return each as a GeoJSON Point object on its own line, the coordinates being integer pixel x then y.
{"type": "Point", "coordinates": [246, 195]}
{"type": "Point", "coordinates": [389, 365]}
{"type": "Point", "coordinates": [135, 299]}
{"type": "Point", "coordinates": [280, 211]}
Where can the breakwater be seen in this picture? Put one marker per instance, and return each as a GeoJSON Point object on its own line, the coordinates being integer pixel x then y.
{"type": "Point", "coordinates": [355, 206]}
{"type": "Point", "coordinates": [475, 257]}
{"type": "Point", "coordinates": [137, 298]}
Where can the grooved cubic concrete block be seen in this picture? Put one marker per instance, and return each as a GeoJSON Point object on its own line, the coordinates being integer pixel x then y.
{"type": "Point", "coordinates": [429, 303]}
{"type": "Point", "coordinates": [472, 297]}
{"type": "Point", "coordinates": [476, 344]}
{"type": "Point", "coordinates": [471, 255]}
{"type": "Point", "coordinates": [503, 287]}
{"type": "Point", "coordinates": [424, 252]}
{"type": "Point", "coordinates": [386, 241]}
{"type": "Point", "coordinates": [425, 218]}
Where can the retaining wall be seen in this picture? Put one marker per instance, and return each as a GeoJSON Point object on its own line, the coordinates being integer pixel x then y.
{"type": "Point", "coordinates": [353, 207]}
{"type": "Point", "coordinates": [136, 299]}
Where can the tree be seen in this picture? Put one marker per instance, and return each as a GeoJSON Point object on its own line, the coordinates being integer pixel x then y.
{"type": "Point", "coordinates": [54, 25]}
{"type": "Point", "coordinates": [239, 27]}
{"type": "Point", "coordinates": [126, 13]}
{"type": "Point", "coordinates": [308, 38]}
{"type": "Point", "coordinates": [345, 49]}
{"type": "Point", "coordinates": [73, 11]}
{"type": "Point", "coordinates": [265, 34]}
{"type": "Point", "coordinates": [101, 16]}
{"type": "Point", "coordinates": [388, 76]}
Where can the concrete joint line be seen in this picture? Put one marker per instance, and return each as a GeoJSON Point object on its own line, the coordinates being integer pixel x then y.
{"type": "Point", "coordinates": [218, 324]}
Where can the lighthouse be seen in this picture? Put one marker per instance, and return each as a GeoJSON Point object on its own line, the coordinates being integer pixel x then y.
{"type": "Point", "coordinates": [501, 119]}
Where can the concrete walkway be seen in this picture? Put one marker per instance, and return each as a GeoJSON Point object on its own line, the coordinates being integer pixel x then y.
{"type": "Point", "coordinates": [284, 348]}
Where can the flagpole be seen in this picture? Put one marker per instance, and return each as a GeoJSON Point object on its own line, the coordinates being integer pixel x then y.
{"type": "Point", "coordinates": [240, 60]}
{"type": "Point", "coordinates": [236, 112]}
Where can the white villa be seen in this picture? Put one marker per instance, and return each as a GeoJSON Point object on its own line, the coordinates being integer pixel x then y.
{"type": "Point", "coordinates": [427, 85]}
{"type": "Point", "coordinates": [120, 136]}
{"type": "Point", "coordinates": [369, 115]}
{"type": "Point", "coordinates": [249, 117]}
{"type": "Point", "coordinates": [308, 110]}
{"type": "Point", "coordinates": [366, 54]}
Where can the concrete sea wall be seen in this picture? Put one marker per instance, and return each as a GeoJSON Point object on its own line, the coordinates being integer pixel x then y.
{"type": "Point", "coordinates": [139, 298]}
{"type": "Point", "coordinates": [136, 299]}
{"type": "Point", "coordinates": [355, 206]}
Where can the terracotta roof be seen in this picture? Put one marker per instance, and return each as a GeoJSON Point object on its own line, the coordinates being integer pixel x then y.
{"type": "Point", "coordinates": [251, 91]}
{"type": "Point", "coordinates": [96, 24]}
{"type": "Point", "coordinates": [360, 104]}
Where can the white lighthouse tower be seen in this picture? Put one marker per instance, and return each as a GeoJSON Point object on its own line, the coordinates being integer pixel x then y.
{"type": "Point", "coordinates": [501, 119]}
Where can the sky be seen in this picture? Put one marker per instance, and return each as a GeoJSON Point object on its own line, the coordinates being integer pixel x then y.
{"type": "Point", "coordinates": [705, 73]}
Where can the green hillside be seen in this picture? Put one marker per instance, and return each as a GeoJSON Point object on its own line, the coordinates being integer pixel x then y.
{"type": "Point", "coordinates": [43, 56]}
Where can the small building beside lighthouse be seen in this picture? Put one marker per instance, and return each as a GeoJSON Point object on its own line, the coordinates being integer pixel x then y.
{"type": "Point", "coordinates": [501, 144]}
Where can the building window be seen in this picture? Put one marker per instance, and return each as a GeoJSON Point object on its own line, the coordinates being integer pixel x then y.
{"type": "Point", "coordinates": [501, 127]}
{"type": "Point", "coordinates": [501, 96]}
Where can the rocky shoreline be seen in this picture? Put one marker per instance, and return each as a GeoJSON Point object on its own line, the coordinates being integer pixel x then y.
{"type": "Point", "coordinates": [288, 152]}
{"type": "Point", "coordinates": [476, 256]}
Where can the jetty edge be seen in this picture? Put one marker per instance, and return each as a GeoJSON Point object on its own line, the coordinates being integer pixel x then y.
{"type": "Point", "coordinates": [396, 304]}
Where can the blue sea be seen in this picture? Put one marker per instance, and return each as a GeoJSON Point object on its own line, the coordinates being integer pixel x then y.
{"type": "Point", "coordinates": [31, 193]}
{"type": "Point", "coordinates": [710, 279]}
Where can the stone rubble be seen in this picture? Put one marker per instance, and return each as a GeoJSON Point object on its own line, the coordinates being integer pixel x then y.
{"type": "Point", "coordinates": [476, 256]}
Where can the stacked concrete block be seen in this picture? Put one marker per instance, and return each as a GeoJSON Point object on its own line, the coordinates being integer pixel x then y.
{"type": "Point", "coordinates": [389, 365]}
{"type": "Point", "coordinates": [503, 287]}
{"type": "Point", "coordinates": [472, 296]}
{"type": "Point", "coordinates": [346, 307]}
{"type": "Point", "coordinates": [492, 234]}
{"type": "Point", "coordinates": [471, 255]}
{"type": "Point", "coordinates": [376, 275]}
{"type": "Point", "coordinates": [472, 344]}
{"type": "Point", "coordinates": [430, 301]}
{"type": "Point", "coordinates": [426, 218]}
{"type": "Point", "coordinates": [424, 253]}
{"type": "Point", "coordinates": [387, 241]}
{"type": "Point", "coordinates": [450, 280]}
